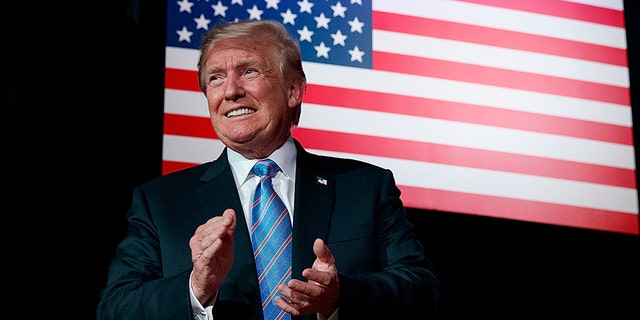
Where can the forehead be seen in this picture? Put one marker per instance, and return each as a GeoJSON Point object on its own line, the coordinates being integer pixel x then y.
{"type": "Point", "coordinates": [238, 49]}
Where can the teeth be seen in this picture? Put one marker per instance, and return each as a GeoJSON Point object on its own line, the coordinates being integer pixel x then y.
{"type": "Point", "coordinates": [240, 112]}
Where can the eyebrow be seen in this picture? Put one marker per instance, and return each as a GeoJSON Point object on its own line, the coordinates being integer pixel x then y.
{"type": "Point", "coordinates": [240, 65]}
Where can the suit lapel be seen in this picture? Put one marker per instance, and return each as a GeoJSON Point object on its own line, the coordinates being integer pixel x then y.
{"type": "Point", "coordinates": [312, 213]}
{"type": "Point", "coordinates": [217, 194]}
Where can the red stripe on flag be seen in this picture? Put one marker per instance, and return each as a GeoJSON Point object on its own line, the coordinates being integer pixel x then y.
{"type": "Point", "coordinates": [563, 9]}
{"type": "Point", "coordinates": [181, 79]}
{"type": "Point", "coordinates": [429, 108]}
{"type": "Point", "coordinates": [498, 37]}
{"type": "Point", "coordinates": [182, 125]}
{"type": "Point", "coordinates": [523, 210]}
{"type": "Point", "coordinates": [500, 77]}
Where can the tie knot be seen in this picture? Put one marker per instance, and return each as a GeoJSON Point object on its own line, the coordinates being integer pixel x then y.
{"type": "Point", "coordinates": [265, 167]}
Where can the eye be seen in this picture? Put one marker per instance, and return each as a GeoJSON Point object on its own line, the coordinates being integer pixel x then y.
{"type": "Point", "coordinates": [215, 80]}
{"type": "Point", "coordinates": [250, 73]}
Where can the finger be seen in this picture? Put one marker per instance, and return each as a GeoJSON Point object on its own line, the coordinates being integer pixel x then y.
{"type": "Point", "coordinates": [299, 290]}
{"type": "Point", "coordinates": [293, 301]}
{"type": "Point", "coordinates": [220, 242]}
{"type": "Point", "coordinates": [218, 227]}
{"type": "Point", "coordinates": [220, 233]}
{"type": "Point", "coordinates": [227, 221]}
{"type": "Point", "coordinates": [317, 278]}
{"type": "Point", "coordinates": [287, 306]}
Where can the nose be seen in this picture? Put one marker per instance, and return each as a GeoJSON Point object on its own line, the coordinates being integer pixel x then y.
{"type": "Point", "coordinates": [233, 88]}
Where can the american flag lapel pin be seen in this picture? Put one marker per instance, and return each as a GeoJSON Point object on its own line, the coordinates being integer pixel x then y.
{"type": "Point", "coordinates": [321, 180]}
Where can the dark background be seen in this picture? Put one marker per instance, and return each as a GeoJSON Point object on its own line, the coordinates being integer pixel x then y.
{"type": "Point", "coordinates": [82, 108]}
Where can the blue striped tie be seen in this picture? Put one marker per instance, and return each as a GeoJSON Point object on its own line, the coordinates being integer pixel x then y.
{"type": "Point", "coordinates": [271, 239]}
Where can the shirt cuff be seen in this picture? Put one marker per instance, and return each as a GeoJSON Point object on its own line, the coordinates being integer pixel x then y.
{"type": "Point", "coordinates": [198, 311]}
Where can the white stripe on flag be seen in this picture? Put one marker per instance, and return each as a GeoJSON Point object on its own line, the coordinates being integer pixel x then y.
{"type": "Point", "coordinates": [506, 19]}
{"type": "Point", "coordinates": [510, 59]}
{"type": "Point", "coordinates": [190, 149]}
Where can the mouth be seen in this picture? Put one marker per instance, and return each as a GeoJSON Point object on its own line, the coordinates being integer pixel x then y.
{"type": "Point", "coordinates": [239, 112]}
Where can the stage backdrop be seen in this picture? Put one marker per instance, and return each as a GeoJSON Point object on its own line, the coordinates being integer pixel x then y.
{"type": "Point", "coordinates": [500, 108]}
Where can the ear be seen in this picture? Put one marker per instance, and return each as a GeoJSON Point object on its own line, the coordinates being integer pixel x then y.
{"type": "Point", "coordinates": [295, 94]}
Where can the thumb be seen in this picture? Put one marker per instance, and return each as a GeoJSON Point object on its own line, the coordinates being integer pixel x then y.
{"type": "Point", "coordinates": [230, 215]}
{"type": "Point", "coordinates": [322, 252]}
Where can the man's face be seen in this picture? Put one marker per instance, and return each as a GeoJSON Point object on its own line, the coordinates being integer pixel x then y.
{"type": "Point", "coordinates": [250, 104]}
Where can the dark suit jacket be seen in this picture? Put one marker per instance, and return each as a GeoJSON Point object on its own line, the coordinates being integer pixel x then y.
{"type": "Point", "coordinates": [383, 271]}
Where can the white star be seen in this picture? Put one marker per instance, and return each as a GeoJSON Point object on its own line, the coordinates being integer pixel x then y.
{"type": "Point", "coordinates": [305, 34]}
{"type": "Point", "coordinates": [356, 25]}
{"type": "Point", "coordinates": [338, 38]}
{"type": "Point", "coordinates": [255, 13]}
{"type": "Point", "coordinates": [184, 34]}
{"type": "Point", "coordinates": [356, 54]}
{"type": "Point", "coordinates": [237, 1]}
{"type": "Point", "coordinates": [289, 17]}
{"type": "Point", "coordinates": [219, 9]}
{"type": "Point", "coordinates": [338, 10]}
{"type": "Point", "coordinates": [322, 21]}
{"type": "Point", "coordinates": [272, 4]}
{"type": "Point", "coordinates": [356, 1]}
{"type": "Point", "coordinates": [202, 22]}
{"type": "Point", "coordinates": [185, 5]}
{"type": "Point", "coordinates": [305, 6]}
{"type": "Point", "coordinates": [322, 50]}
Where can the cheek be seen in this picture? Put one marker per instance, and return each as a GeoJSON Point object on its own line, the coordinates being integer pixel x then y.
{"type": "Point", "coordinates": [213, 101]}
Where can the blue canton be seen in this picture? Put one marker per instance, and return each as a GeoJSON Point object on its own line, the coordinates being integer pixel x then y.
{"type": "Point", "coordinates": [334, 32]}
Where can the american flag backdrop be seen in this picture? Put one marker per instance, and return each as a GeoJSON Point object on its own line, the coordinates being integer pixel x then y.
{"type": "Point", "coordinates": [501, 108]}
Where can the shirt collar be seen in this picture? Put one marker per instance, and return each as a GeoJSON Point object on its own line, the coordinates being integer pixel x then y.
{"type": "Point", "coordinates": [284, 157]}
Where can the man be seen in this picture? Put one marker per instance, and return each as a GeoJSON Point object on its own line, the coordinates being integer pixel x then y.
{"type": "Point", "coordinates": [188, 251]}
